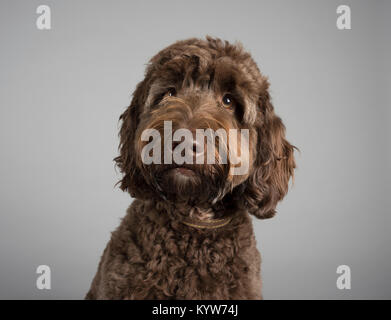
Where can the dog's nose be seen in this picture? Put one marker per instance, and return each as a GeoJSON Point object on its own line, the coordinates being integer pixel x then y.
{"type": "Point", "coordinates": [192, 147]}
{"type": "Point", "coordinates": [197, 150]}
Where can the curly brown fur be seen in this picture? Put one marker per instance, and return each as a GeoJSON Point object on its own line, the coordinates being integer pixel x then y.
{"type": "Point", "coordinates": [154, 254]}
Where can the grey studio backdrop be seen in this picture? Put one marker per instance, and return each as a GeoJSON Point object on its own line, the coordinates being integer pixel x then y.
{"type": "Point", "coordinates": [62, 91]}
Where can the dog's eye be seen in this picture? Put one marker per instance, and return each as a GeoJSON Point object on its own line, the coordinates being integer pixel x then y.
{"type": "Point", "coordinates": [170, 92]}
{"type": "Point", "coordinates": [228, 101]}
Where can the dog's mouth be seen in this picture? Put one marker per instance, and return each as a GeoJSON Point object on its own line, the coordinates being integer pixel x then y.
{"type": "Point", "coordinates": [183, 170]}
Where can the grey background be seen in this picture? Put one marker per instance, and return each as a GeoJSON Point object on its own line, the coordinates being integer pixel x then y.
{"type": "Point", "coordinates": [63, 90]}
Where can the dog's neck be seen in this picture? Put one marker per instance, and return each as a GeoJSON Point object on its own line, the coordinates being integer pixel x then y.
{"type": "Point", "coordinates": [198, 212]}
{"type": "Point", "coordinates": [186, 211]}
{"type": "Point", "coordinates": [202, 217]}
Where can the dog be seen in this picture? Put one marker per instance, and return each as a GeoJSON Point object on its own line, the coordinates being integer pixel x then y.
{"type": "Point", "coordinates": [188, 234]}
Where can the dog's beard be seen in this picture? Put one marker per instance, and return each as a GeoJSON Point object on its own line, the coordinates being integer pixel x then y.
{"type": "Point", "coordinates": [192, 184]}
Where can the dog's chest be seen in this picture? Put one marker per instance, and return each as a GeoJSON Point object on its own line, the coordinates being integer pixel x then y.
{"type": "Point", "coordinates": [190, 265]}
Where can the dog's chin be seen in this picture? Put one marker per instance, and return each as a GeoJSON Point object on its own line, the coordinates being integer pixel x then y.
{"type": "Point", "coordinates": [185, 184]}
{"type": "Point", "coordinates": [182, 173]}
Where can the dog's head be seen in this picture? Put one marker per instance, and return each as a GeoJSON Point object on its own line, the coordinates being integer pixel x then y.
{"type": "Point", "coordinates": [215, 88]}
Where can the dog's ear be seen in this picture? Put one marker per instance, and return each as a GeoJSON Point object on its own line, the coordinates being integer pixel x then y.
{"type": "Point", "coordinates": [132, 180]}
{"type": "Point", "coordinates": [274, 162]}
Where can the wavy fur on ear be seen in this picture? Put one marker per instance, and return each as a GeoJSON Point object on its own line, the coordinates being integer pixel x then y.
{"type": "Point", "coordinates": [132, 180]}
{"type": "Point", "coordinates": [274, 163]}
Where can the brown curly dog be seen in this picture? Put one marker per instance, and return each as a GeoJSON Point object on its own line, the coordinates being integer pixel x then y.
{"type": "Point", "coordinates": [188, 233]}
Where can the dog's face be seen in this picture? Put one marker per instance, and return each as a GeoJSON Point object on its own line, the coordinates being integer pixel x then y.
{"type": "Point", "coordinates": [201, 129]}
